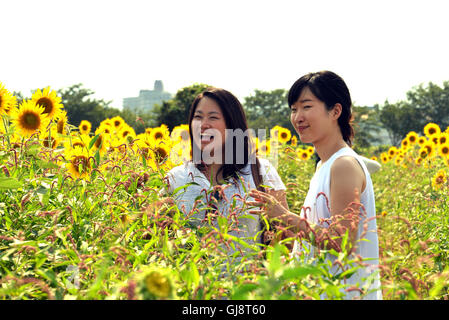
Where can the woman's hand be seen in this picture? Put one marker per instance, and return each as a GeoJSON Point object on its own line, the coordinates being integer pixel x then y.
{"type": "Point", "coordinates": [162, 206]}
{"type": "Point", "coordinates": [267, 203]}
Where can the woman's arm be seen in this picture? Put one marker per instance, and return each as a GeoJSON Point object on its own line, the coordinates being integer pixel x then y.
{"type": "Point", "coordinates": [274, 210]}
{"type": "Point", "coordinates": [346, 176]}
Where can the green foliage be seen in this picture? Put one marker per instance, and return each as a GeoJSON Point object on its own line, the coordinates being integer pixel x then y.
{"type": "Point", "coordinates": [414, 239]}
{"type": "Point", "coordinates": [424, 104]}
{"type": "Point", "coordinates": [80, 106]}
{"type": "Point", "coordinates": [105, 238]}
{"type": "Point", "coordinates": [73, 239]}
{"type": "Point", "coordinates": [432, 102]}
{"type": "Point", "coordinates": [176, 110]}
{"type": "Point", "coordinates": [366, 126]}
{"type": "Point", "coordinates": [266, 109]}
{"type": "Point", "coordinates": [399, 119]}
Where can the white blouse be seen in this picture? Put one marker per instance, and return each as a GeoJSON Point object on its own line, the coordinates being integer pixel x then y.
{"type": "Point", "coordinates": [248, 224]}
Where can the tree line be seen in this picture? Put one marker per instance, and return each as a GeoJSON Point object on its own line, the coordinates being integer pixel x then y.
{"type": "Point", "coordinates": [265, 109]}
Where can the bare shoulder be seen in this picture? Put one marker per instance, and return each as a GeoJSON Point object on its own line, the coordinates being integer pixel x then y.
{"type": "Point", "coordinates": [346, 166]}
{"type": "Point", "coordinates": [345, 162]}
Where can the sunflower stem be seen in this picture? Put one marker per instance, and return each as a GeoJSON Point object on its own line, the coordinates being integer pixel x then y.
{"type": "Point", "coordinates": [6, 125]}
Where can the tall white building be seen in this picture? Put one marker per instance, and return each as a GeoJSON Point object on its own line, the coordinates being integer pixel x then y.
{"type": "Point", "coordinates": [147, 99]}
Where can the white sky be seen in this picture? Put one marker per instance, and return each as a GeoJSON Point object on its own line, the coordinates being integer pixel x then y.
{"type": "Point", "coordinates": [115, 48]}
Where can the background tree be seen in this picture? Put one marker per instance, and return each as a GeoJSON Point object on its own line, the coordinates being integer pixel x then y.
{"type": "Point", "coordinates": [79, 106]}
{"type": "Point", "coordinates": [176, 110]}
{"type": "Point", "coordinates": [19, 96]}
{"type": "Point", "coordinates": [432, 102]}
{"type": "Point", "coordinates": [366, 126]}
{"type": "Point", "coordinates": [400, 118]}
{"type": "Point", "coordinates": [266, 109]}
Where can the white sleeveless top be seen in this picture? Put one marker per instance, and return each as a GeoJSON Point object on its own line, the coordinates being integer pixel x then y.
{"type": "Point", "coordinates": [319, 210]}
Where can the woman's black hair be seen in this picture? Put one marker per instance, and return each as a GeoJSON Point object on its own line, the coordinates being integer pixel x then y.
{"type": "Point", "coordinates": [331, 89]}
{"type": "Point", "coordinates": [235, 118]}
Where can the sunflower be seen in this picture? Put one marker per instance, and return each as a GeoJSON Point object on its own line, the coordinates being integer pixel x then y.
{"type": "Point", "coordinates": [392, 152]}
{"type": "Point", "coordinates": [79, 165]}
{"type": "Point", "coordinates": [106, 122]}
{"type": "Point", "coordinates": [421, 141]}
{"type": "Point", "coordinates": [49, 101]}
{"type": "Point", "coordinates": [429, 148]}
{"type": "Point", "coordinates": [443, 138]}
{"type": "Point", "coordinates": [310, 150]}
{"type": "Point", "coordinates": [405, 144]}
{"type": "Point", "coordinates": [255, 143]}
{"type": "Point", "coordinates": [431, 129]}
{"type": "Point", "coordinates": [180, 133]}
{"type": "Point", "coordinates": [283, 134]}
{"type": "Point", "coordinates": [274, 132]}
{"type": "Point", "coordinates": [418, 161]}
{"type": "Point", "coordinates": [105, 127]}
{"type": "Point", "coordinates": [85, 127]}
{"type": "Point", "coordinates": [435, 139]}
{"type": "Point", "coordinates": [423, 153]}
{"type": "Point", "coordinates": [384, 157]}
{"type": "Point", "coordinates": [444, 149]}
{"type": "Point", "coordinates": [143, 145]}
{"type": "Point", "coordinates": [159, 156]}
{"type": "Point", "coordinates": [294, 141]}
{"type": "Point", "coordinates": [160, 133]}
{"type": "Point", "coordinates": [50, 139]}
{"type": "Point", "coordinates": [126, 134]}
{"type": "Point", "coordinates": [101, 143]}
{"type": "Point", "coordinates": [29, 118]}
{"type": "Point", "coordinates": [439, 179]}
{"type": "Point", "coordinates": [374, 158]}
{"type": "Point", "coordinates": [303, 154]}
{"type": "Point", "coordinates": [7, 101]}
{"type": "Point", "coordinates": [161, 152]}
{"type": "Point", "coordinates": [264, 148]}
{"type": "Point", "coordinates": [398, 161]}
{"type": "Point", "coordinates": [81, 141]}
{"type": "Point", "coordinates": [412, 137]}
{"type": "Point", "coordinates": [117, 123]}
{"type": "Point", "coordinates": [61, 122]}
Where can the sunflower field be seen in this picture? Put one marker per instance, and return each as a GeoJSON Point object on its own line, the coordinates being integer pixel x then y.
{"type": "Point", "coordinates": [83, 215]}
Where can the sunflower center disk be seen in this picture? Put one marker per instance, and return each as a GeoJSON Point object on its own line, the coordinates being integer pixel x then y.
{"type": "Point", "coordinates": [31, 121]}
{"type": "Point", "coordinates": [98, 142]}
{"type": "Point", "coordinates": [81, 164]}
{"type": "Point", "coordinates": [46, 103]}
{"type": "Point", "coordinates": [60, 127]}
{"type": "Point", "coordinates": [161, 154]}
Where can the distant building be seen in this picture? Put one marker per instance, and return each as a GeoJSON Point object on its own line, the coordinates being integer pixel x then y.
{"type": "Point", "coordinates": [147, 99]}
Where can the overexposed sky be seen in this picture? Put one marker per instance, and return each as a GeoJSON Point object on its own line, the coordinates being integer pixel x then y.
{"type": "Point", "coordinates": [115, 48]}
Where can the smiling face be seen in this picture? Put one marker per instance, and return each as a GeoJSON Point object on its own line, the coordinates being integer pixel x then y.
{"type": "Point", "coordinates": [208, 126]}
{"type": "Point", "coordinates": [311, 120]}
